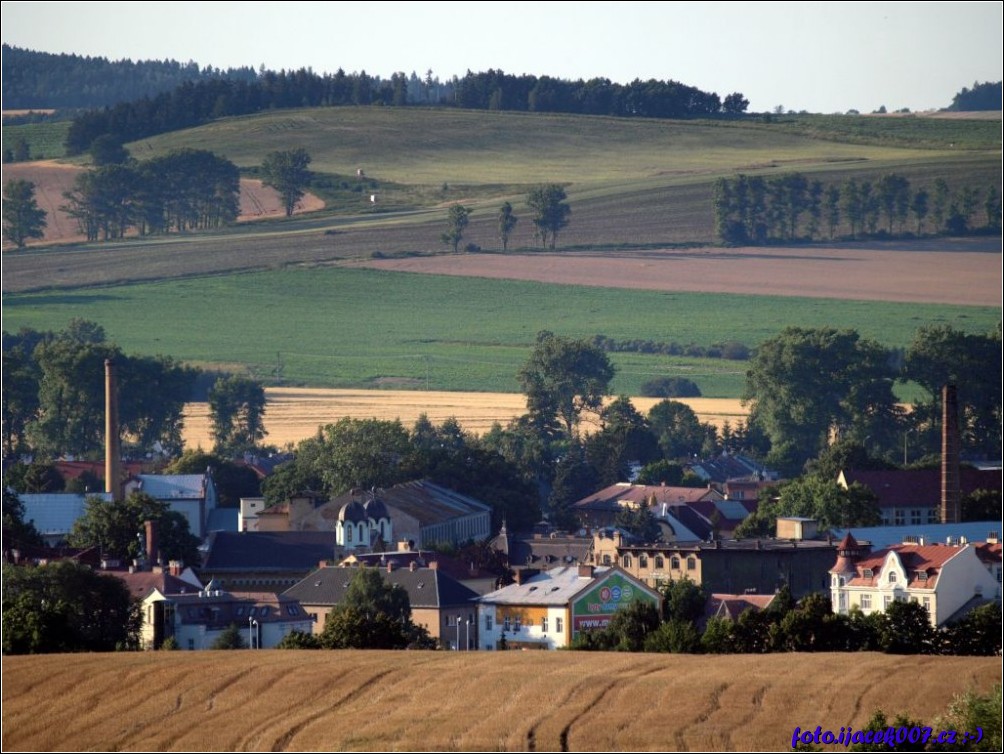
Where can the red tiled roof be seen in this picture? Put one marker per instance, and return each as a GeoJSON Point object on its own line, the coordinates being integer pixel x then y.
{"type": "Point", "coordinates": [927, 559]}
{"type": "Point", "coordinates": [641, 493]}
{"type": "Point", "coordinates": [988, 553]}
{"type": "Point", "coordinates": [734, 605]}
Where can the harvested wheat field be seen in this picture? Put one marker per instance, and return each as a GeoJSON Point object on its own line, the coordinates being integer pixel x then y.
{"type": "Point", "coordinates": [294, 414]}
{"type": "Point", "coordinates": [939, 271]}
{"type": "Point", "coordinates": [52, 178]}
{"type": "Point", "coordinates": [517, 701]}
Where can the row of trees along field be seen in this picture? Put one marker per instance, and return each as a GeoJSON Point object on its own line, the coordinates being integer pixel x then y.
{"type": "Point", "coordinates": [194, 103]}
{"type": "Point", "coordinates": [549, 213]}
{"type": "Point", "coordinates": [759, 210]}
{"type": "Point", "coordinates": [187, 189]}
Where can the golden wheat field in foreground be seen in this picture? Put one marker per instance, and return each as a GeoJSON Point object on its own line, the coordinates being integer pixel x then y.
{"type": "Point", "coordinates": [517, 701]}
{"type": "Point", "coordinates": [294, 414]}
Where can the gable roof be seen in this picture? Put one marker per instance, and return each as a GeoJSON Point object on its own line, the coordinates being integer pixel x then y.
{"type": "Point", "coordinates": [426, 502]}
{"type": "Point", "coordinates": [731, 606]}
{"type": "Point", "coordinates": [54, 513]}
{"type": "Point", "coordinates": [173, 486]}
{"type": "Point", "coordinates": [927, 560]}
{"type": "Point", "coordinates": [426, 587]}
{"type": "Point", "coordinates": [616, 496]}
{"type": "Point", "coordinates": [555, 587]}
{"type": "Point", "coordinates": [218, 609]}
{"type": "Point", "coordinates": [918, 488]}
{"type": "Point", "coordinates": [143, 583]}
{"type": "Point", "coordinates": [263, 551]}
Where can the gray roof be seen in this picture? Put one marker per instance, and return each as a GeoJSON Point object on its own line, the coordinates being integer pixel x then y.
{"type": "Point", "coordinates": [218, 609]}
{"type": "Point", "coordinates": [886, 536]}
{"type": "Point", "coordinates": [168, 486]}
{"type": "Point", "coordinates": [54, 513]}
{"type": "Point", "coordinates": [222, 519]}
{"type": "Point", "coordinates": [426, 587]}
{"type": "Point", "coordinates": [555, 587]}
{"type": "Point", "coordinates": [268, 551]}
{"type": "Point", "coordinates": [424, 501]}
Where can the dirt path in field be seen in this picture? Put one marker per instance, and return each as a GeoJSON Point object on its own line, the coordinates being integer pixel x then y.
{"type": "Point", "coordinates": [52, 178]}
{"type": "Point", "coordinates": [294, 414]}
{"type": "Point", "coordinates": [942, 271]}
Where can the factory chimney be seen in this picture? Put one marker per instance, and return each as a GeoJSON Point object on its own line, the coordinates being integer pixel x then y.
{"type": "Point", "coordinates": [951, 492]}
{"type": "Point", "coordinates": [113, 451]}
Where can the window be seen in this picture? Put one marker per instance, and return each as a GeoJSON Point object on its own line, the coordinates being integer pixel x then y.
{"type": "Point", "coordinates": [674, 563]}
{"type": "Point", "coordinates": [488, 621]}
{"type": "Point", "coordinates": [866, 602]}
{"type": "Point", "coordinates": [517, 624]}
{"type": "Point", "coordinates": [900, 517]}
{"type": "Point", "coordinates": [505, 624]}
{"type": "Point", "coordinates": [660, 562]}
{"type": "Point", "coordinates": [915, 516]}
{"type": "Point", "coordinates": [626, 561]}
{"type": "Point", "coordinates": [886, 601]}
{"type": "Point", "coordinates": [691, 563]}
{"type": "Point", "coordinates": [643, 561]}
{"type": "Point", "coordinates": [927, 604]}
{"type": "Point", "coordinates": [349, 528]}
{"type": "Point", "coordinates": [557, 625]}
{"type": "Point", "coordinates": [543, 625]}
{"type": "Point", "coordinates": [933, 516]}
{"type": "Point", "coordinates": [892, 577]}
{"type": "Point", "coordinates": [191, 643]}
{"type": "Point", "coordinates": [606, 560]}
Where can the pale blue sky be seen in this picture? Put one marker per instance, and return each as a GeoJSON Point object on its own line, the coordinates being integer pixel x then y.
{"type": "Point", "coordinates": [820, 57]}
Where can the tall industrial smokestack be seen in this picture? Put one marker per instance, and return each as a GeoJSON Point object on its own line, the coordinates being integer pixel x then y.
{"type": "Point", "coordinates": [951, 491]}
{"type": "Point", "coordinates": [113, 452]}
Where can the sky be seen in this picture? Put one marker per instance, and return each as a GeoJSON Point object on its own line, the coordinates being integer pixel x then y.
{"type": "Point", "coordinates": [822, 57]}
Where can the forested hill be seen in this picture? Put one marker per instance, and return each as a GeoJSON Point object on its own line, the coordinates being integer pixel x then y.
{"type": "Point", "coordinates": [44, 80]}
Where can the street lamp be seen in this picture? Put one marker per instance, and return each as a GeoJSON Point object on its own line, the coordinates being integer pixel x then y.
{"type": "Point", "coordinates": [252, 625]}
{"type": "Point", "coordinates": [467, 635]}
{"type": "Point", "coordinates": [458, 633]}
{"type": "Point", "coordinates": [905, 435]}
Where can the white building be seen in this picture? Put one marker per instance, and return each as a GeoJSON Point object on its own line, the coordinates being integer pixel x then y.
{"type": "Point", "coordinates": [191, 495]}
{"type": "Point", "coordinates": [945, 578]}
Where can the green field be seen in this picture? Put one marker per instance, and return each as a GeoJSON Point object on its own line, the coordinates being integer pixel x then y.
{"type": "Point", "coordinates": [254, 294]}
{"type": "Point", "coordinates": [337, 327]}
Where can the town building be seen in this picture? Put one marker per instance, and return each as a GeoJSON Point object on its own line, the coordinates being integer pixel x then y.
{"type": "Point", "coordinates": [549, 609]}
{"type": "Point", "coordinates": [196, 620]}
{"type": "Point", "coordinates": [946, 579]}
{"type": "Point", "coordinates": [265, 561]}
{"type": "Point", "coordinates": [439, 603]}
{"type": "Point", "coordinates": [913, 497]}
{"type": "Point", "coordinates": [191, 495]}
{"type": "Point", "coordinates": [728, 566]}
{"type": "Point", "coordinates": [421, 512]}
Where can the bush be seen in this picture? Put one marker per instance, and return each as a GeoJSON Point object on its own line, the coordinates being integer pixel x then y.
{"type": "Point", "coordinates": [670, 387]}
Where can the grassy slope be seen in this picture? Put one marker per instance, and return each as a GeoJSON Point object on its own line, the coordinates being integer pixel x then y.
{"type": "Point", "coordinates": [463, 701]}
{"type": "Point", "coordinates": [630, 182]}
{"type": "Point", "coordinates": [340, 327]}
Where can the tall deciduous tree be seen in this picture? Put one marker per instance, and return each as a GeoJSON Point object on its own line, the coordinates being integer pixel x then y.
{"type": "Point", "coordinates": [236, 411]}
{"type": "Point", "coordinates": [456, 222]}
{"type": "Point", "coordinates": [116, 527]}
{"type": "Point", "coordinates": [287, 172]}
{"type": "Point", "coordinates": [23, 219]}
{"type": "Point", "coordinates": [562, 378]}
{"type": "Point", "coordinates": [806, 386]}
{"type": "Point", "coordinates": [507, 223]}
{"type": "Point", "coordinates": [66, 607]}
{"type": "Point", "coordinates": [550, 211]}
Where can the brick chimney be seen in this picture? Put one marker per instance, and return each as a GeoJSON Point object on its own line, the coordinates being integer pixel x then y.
{"type": "Point", "coordinates": [152, 553]}
{"type": "Point", "coordinates": [113, 451]}
{"type": "Point", "coordinates": [585, 571]}
{"type": "Point", "coordinates": [951, 493]}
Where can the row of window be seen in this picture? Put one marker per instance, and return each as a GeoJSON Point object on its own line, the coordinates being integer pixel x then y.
{"type": "Point", "coordinates": [660, 563]}
{"type": "Point", "coordinates": [515, 624]}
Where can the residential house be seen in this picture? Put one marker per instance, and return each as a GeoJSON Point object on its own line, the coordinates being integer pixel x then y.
{"type": "Point", "coordinates": [191, 495]}
{"type": "Point", "coordinates": [196, 620]}
{"type": "Point", "coordinates": [420, 511]}
{"type": "Point", "coordinates": [730, 606]}
{"type": "Point", "coordinates": [439, 603]}
{"type": "Point", "coordinates": [913, 496]}
{"type": "Point", "coordinates": [549, 609]}
{"type": "Point", "coordinates": [947, 579]}
{"type": "Point", "coordinates": [698, 511]}
{"type": "Point", "coordinates": [543, 547]}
